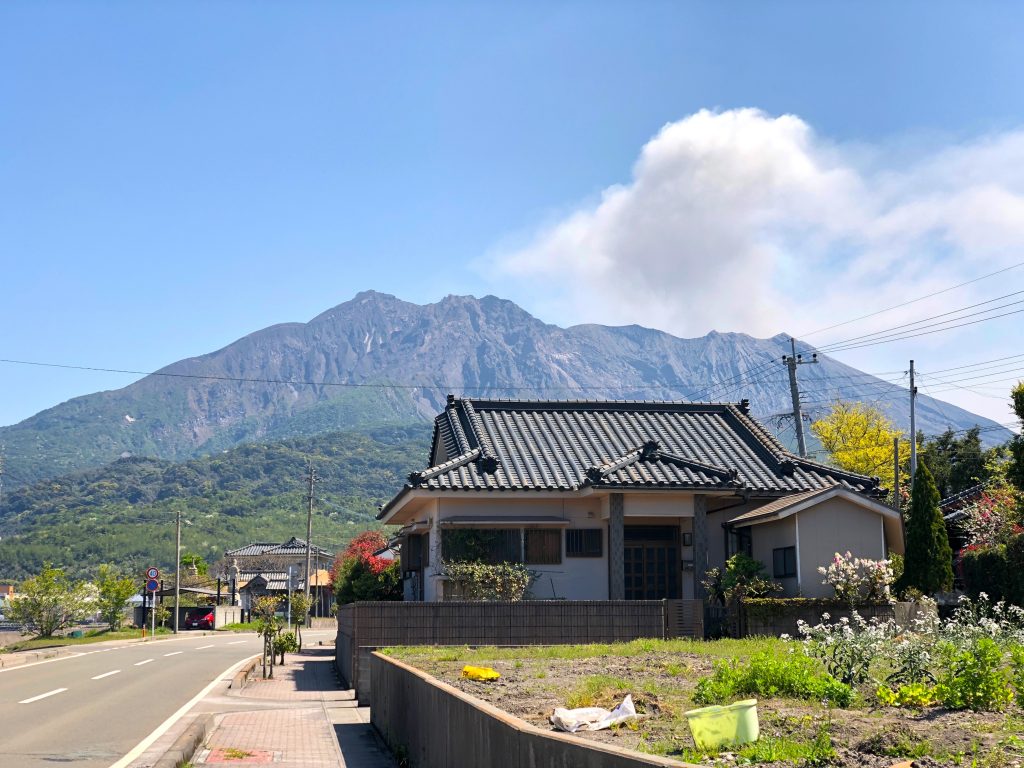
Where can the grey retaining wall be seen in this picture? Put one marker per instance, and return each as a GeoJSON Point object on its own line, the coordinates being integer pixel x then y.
{"type": "Point", "coordinates": [434, 725]}
{"type": "Point", "coordinates": [363, 627]}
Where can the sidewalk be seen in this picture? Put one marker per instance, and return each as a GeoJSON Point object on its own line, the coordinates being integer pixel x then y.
{"type": "Point", "coordinates": [300, 719]}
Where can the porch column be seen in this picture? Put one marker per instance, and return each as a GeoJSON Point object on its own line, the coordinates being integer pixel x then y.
{"type": "Point", "coordinates": [700, 544]}
{"type": "Point", "coordinates": [616, 548]}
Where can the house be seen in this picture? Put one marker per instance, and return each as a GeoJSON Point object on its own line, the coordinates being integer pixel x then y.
{"type": "Point", "coordinates": [627, 500]}
{"type": "Point", "coordinates": [262, 568]}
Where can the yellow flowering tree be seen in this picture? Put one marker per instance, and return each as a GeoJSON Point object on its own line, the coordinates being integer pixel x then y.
{"type": "Point", "coordinates": [858, 438]}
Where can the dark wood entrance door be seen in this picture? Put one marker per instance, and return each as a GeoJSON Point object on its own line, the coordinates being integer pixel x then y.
{"type": "Point", "coordinates": [652, 566]}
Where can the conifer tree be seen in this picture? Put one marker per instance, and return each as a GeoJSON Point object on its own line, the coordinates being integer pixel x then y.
{"type": "Point", "coordinates": [928, 563]}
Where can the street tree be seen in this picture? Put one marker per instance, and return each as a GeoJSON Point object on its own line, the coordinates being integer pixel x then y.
{"type": "Point", "coordinates": [51, 602]}
{"type": "Point", "coordinates": [859, 438]}
{"type": "Point", "coordinates": [301, 605]}
{"type": "Point", "coordinates": [113, 591]}
{"type": "Point", "coordinates": [928, 561]}
{"type": "Point", "coordinates": [268, 625]}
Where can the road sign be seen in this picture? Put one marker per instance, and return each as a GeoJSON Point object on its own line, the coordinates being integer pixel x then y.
{"type": "Point", "coordinates": [152, 573]}
{"type": "Point", "coordinates": [152, 585]}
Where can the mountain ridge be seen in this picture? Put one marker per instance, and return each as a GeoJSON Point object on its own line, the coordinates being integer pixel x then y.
{"type": "Point", "coordinates": [379, 360]}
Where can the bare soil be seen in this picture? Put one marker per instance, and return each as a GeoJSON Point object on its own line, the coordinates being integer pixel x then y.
{"type": "Point", "coordinates": [662, 686]}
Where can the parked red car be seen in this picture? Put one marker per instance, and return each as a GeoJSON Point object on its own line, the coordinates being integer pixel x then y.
{"type": "Point", "coordinates": [201, 618]}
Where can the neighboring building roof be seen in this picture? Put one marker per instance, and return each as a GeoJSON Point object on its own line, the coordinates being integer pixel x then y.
{"type": "Point", "coordinates": [504, 445]}
{"type": "Point", "coordinates": [952, 506]}
{"type": "Point", "coordinates": [788, 505]}
{"type": "Point", "coordinates": [293, 547]}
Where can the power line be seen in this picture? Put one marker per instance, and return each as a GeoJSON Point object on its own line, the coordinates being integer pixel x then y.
{"type": "Point", "coordinates": [913, 301]}
{"type": "Point", "coordinates": [895, 330]}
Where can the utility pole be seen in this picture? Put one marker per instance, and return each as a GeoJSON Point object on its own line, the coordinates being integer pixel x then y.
{"type": "Point", "coordinates": [913, 425]}
{"type": "Point", "coordinates": [177, 566]}
{"type": "Point", "coordinates": [791, 363]}
{"type": "Point", "coordinates": [311, 478]}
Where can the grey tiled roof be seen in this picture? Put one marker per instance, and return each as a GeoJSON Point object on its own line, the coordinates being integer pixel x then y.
{"type": "Point", "coordinates": [496, 445]}
{"type": "Point", "coordinates": [293, 547]}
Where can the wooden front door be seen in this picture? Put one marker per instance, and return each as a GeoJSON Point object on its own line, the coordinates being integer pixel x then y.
{"type": "Point", "coordinates": [652, 565]}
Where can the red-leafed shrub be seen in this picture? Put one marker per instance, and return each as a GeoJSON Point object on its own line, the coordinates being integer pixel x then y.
{"type": "Point", "coordinates": [358, 574]}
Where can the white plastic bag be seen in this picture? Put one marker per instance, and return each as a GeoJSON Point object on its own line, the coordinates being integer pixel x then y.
{"type": "Point", "coordinates": [593, 718]}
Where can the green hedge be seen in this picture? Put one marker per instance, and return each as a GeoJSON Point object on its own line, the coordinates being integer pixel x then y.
{"type": "Point", "coordinates": [774, 607]}
{"type": "Point", "coordinates": [997, 571]}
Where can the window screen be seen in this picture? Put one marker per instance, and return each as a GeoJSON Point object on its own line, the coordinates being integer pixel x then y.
{"type": "Point", "coordinates": [583, 542]}
{"type": "Point", "coordinates": [543, 546]}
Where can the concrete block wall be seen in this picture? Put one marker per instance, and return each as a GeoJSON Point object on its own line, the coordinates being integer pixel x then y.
{"type": "Point", "coordinates": [434, 725]}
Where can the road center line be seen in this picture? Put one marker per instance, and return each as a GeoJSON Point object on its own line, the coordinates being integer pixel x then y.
{"type": "Point", "coordinates": [140, 663]}
{"type": "Point", "coordinates": [203, 646]}
{"type": "Point", "coordinates": [43, 696]}
{"type": "Point", "coordinates": [106, 674]}
{"type": "Point", "coordinates": [173, 653]}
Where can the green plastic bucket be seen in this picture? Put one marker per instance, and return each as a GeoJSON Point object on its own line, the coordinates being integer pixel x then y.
{"type": "Point", "coordinates": [715, 727]}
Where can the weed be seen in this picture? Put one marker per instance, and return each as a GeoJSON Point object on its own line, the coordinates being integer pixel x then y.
{"type": "Point", "coordinates": [596, 690]}
{"type": "Point", "coordinates": [769, 676]}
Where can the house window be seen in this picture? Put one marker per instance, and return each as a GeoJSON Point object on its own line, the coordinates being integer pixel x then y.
{"type": "Point", "coordinates": [583, 542]}
{"type": "Point", "coordinates": [740, 541]}
{"type": "Point", "coordinates": [543, 546]}
{"type": "Point", "coordinates": [784, 562]}
{"type": "Point", "coordinates": [482, 545]}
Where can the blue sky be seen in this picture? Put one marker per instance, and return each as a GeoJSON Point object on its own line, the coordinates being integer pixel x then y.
{"type": "Point", "coordinates": [172, 178]}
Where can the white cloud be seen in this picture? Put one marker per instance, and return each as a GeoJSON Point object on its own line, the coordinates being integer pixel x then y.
{"type": "Point", "coordinates": [742, 221]}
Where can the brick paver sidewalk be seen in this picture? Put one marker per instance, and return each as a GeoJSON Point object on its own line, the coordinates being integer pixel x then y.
{"type": "Point", "coordinates": [318, 724]}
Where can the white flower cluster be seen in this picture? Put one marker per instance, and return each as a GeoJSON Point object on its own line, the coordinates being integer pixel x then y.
{"type": "Point", "coordinates": [858, 580]}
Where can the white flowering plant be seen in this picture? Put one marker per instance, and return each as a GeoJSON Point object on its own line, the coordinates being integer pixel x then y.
{"type": "Point", "coordinates": [858, 580]}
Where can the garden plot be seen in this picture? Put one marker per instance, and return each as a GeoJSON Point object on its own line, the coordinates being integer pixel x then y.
{"type": "Point", "coordinates": [808, 716]}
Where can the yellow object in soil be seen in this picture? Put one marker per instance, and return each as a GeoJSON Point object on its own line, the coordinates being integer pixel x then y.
{"type": "Point", "coordinates": [714, 727]}
{"type": "Point", "coordinates": [485, 674]}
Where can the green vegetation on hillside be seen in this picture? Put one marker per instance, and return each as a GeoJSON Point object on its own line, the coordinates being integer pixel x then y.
{"type": "Point", "coordinates": [124, 512]}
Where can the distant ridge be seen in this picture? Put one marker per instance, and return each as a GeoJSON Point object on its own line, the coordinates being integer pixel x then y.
{"type": "Point", "coordinates": [482, 347]}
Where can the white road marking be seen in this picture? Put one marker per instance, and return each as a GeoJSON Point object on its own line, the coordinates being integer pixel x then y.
{"type": "Point", "coordinates": [140, 663]}
{"type": "Point", "coordinates": [203, 646]}
{"type": "Point", "coordinates": [173, 653]}
{"type": "Point", "coordinates": [165, 726]}
{"type": "Point", "coordinates": [236, 642]}
{"type": "Point", "coordinates": [106, 674]}
{"type": "Point", "coordinates": [43, 696]}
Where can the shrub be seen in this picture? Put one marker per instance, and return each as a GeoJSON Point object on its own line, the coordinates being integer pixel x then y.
{"type": "Point", "coordinates": [488, 581]}
{"type": "Point", "coordinates": [927, 563]}
{"type": "Point", "coordinates": [743, 578]}
{"type": "Point", "coordinates": [768, 675]}
{"type": "Point", "coordinates": [985, 570]}
{"type": "Point", "coordinates": [975, 678]}
{"type": "Point", "coordinates": [358, 574]}
{"type": "Point", "coordinates": [858, 581]}
{"type": "Point", "coordinates": [1017, 667]}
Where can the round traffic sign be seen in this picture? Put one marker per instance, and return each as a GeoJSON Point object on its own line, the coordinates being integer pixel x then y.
{"type": "Point", "coordinates": [152, 573]}
{"type": "Point", "coordinates": [152, 585]}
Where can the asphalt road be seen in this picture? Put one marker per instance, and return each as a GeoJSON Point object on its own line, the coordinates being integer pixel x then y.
{"type": "Point", "coordinates": [93, 708]}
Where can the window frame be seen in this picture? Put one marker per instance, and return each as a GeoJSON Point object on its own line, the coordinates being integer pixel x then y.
{"type": "Point", "coordinates": [785, 572]}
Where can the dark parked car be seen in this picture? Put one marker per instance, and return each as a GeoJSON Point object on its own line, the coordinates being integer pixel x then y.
{"type": "Point", "coordinates": [199, 618]}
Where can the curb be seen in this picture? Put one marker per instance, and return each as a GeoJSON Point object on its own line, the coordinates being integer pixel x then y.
{"type": "Point", "coordinates": [238, 682]}
{"type": "Point", "coordinates": [187, 744]}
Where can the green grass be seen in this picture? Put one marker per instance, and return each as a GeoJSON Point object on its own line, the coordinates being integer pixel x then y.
{"type": "Point", "coordinates": [238, 626]}
{"type": "Point", "coordinates": [91, 636]}
{"type": "Point", "coordinates": [712, 649]}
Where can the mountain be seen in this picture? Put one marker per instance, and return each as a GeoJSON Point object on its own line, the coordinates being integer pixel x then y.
{"type": "Point", "coordinates": [124, 512]}
{"type": "Point", "coordinates": [309, 378]}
